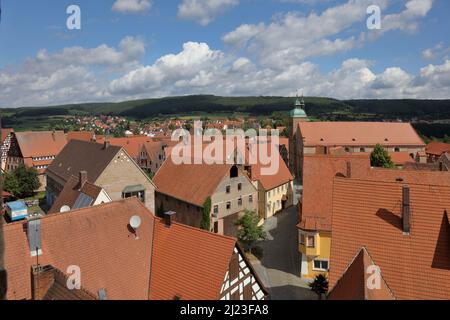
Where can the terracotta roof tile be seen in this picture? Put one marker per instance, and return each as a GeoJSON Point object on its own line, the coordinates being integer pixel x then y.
{"type": "Point", "coordinates": [271, 181]}
{"type": "Point", "coordinates": [5, 132]}
{"type": "Point", "coordinates": [82, 135]}
{"type": "Point", "coordinates": [40, 143]}
{"type": "Point", "coordinates": [188, 262]}
{"type": "Point", "coordinates": [180, 260]}
{"type": "Point", "coordinates": [318, 174]}
{"type": "Point", "coordinates": [95, 239]}
{"type": "Point", "coordinates": [353, 283]}
{"type": "Point", "coordinates": [437, 148]}
{"type": "Point", "coordinates": [192, 183]}
{"type": "Point", "coordinates": [359, 133]}
{"type": "Point", "coordinates": [132, 145]}
{"type": "Point", "coordinates": [367, 213]}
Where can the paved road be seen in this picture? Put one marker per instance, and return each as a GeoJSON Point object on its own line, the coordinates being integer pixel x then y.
{"type": "Point", "coordinates": [279, 268]}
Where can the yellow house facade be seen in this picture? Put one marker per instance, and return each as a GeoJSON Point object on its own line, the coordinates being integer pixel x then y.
{"type": "Point", "coordinates": [315, 249]}
{"type": "Point", "coordinates": [276, 199]}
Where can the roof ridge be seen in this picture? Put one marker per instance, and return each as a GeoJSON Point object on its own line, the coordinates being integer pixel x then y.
{"type": "Point", "coordinates": [81, 210]}
{"type": "Point", "coordinates": [368, 180]}
{"type": "Point", "coordinates": [179, 224]}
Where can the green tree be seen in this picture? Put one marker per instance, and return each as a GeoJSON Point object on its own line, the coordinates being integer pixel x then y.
{"type": "Point", "coordinates": [446, 139]}
{"type": "Point", "coordinates": [28, 179]}
{"type": "Point", "coordinates": [11, 184]}
{"type": "Point", "coordinates": [248, 230]}
{"type": "Point", "coordinates": [319, 285]}
{"type": "Point", "coordinates": [380, 158]}
{"type": "Point", "coordinates": [206, 218]}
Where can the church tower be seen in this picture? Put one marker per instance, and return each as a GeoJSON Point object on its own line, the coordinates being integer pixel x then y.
{"type": "Point", "coordinates": [297, 115]}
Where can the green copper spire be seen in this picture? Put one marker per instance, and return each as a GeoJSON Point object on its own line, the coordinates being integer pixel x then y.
{"type": "Point", "coordinates": [299, 111]}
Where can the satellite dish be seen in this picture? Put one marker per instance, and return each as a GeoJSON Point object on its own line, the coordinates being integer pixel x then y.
{"type": "Point", "coordinates": [135, 222]}
{"type": "Point", "coordinates": [64, 209]}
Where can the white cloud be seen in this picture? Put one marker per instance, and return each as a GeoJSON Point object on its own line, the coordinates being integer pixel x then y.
{"type": "Point", "coordinates": [193, 66]}
{"type": "Point", "coordinates": [216, 73]}
{"type": "Point", "coordinates": [203, 11]}
{"type": "Point", "coordinates": [407, 20]}
{"type": "Point", "coordinates": [132, 6]}
{"type": "Point", "coordinates": [294, 37]}
{"type": "Point", "coordinates": [438, 51]}
{"type": "Point", "coordinates": [74, 74]}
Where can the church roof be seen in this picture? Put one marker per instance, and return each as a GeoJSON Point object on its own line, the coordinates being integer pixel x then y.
{"type": "Point", "coordinates": [298, 113]}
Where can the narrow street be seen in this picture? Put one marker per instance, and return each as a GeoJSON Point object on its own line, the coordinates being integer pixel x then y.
{"type": "Point", "coordinates": [279, 268]}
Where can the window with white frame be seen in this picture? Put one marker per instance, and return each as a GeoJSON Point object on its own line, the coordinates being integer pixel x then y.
{"type": "Point", "coordinates": [321, 265]}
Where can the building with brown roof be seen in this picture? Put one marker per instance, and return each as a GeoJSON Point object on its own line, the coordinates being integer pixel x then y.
{"type": "Point", "coordinates": [35, 149]}
{"type": "Point", "coordinates": [109, 167]}
{"type": "Point", "coordinates": [49, 283]}
{"type": "Point", "coordinates": [79, 193]}
{"type": "Point", "coordinates": [83, 136]}
{"type": "Point", "coordinates": [353, 137]}
{"type": "Point", "coordinates": [435, 149]}
{"type": "Point", "coordinates": [275, 191]}
{"type": "Point", "coordinates": [315, 207]}
{"type": "Point", "coordinates": [153, 155]}
{"type": "Point", "coordinates": [184, 188]}
{"type": "Point", "coordinates": [157, 259]}
{"type": "Point", "coordinates": [402, 225]}
{"type": "Point", "coordinates": [132, 145]}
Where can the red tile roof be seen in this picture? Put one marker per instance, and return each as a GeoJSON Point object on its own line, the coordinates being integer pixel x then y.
{"type": "Point", "coordinates": [400, 158]}
{"type": "Point", "coordinates": [367, 213]}
{"type": "Point", "coordinates": [40, 143]}
{"type": "Point", "coordinates": [192, 183]}
{"type": "Point", "coordinates": [437, 148]}
{"type": "Point", "coordinates": [180, 261]}
{"type": "Point", "coordinates": [272, 181]}
{"type": "Point", "coordinates": [189, 263]}
{"type": "Point", "coordinates": [353, 283]}
{"type": "Point", "coordinates": [82, 135]}
{"type": "Point", "coordinates": [5, 132]}
{"type": "Point", "coordinates": [318, 174]}
{"type": "Point", "coordinates": [359, 133]}
{"type": "Point", "coordinates": [95, 239]}
{"type": "Point", "coordinates": [154, 149]}
{"type": "Point", "coordinates": [132, 145]}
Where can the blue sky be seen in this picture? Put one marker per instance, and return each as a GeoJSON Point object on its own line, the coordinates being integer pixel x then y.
{"type": "Point", "coordinates": [129, 49]}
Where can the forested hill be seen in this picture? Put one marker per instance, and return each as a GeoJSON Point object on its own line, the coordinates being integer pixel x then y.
{"type": "Point", "coordinates": [258, 106]}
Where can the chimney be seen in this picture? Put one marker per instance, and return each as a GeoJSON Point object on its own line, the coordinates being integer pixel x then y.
{"type": "Point", "coordinates": [169, 218]}
{"type": "Point", "coordinates": [106, 144]}
{"type": "Point", "coordinates": [54, 135]}
{"type": "Point", "coordinates": [406, 211]}
{"type": "Point", "coordinates": [82, 178]}
{"type": "Point", "coordinates": [349, 169]}
{"type": "Point", "coordinates": [43, 278]}
{"type": "Point", "coordinates": [94, 138]}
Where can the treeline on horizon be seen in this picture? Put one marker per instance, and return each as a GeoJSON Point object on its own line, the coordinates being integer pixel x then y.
{"type": "Point", "coordinates": [317, 108]}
